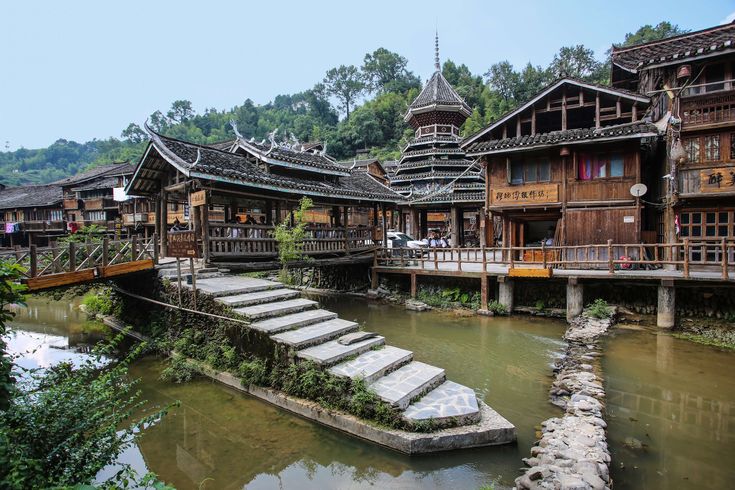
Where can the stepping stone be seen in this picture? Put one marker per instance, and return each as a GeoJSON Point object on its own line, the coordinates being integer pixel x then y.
{"type": "Point", "coordinates": [277, 308]}
{"type": "Point", "coordinates": [267, 296]}
{"type": "Point", "coordinates": [294, 320]}
{"type": "Point", "coordinates": [373, 364]}
{"type": "Point", "coordinates": [445, 403]}
{"type": "Point", "coordinates": [315, 334]}
{"type": "Point", "coordinates": [355, 337]}
{"type": "Point", "coordinates": [332, 352]}
{"type": "Point", "coordinates": [230, 285]}
{"type": "Point", "coordinates": [403, 385]}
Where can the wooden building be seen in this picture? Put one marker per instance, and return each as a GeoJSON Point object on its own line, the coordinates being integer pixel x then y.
{"type": "Point", "coordinates": [691, 80]}
{"type": "Point", "coordinates": [31, 214]}
{"type": "Point", "coordinates": [370, 165]}
{"type": "Point", "coordinates": [443, 187]}
{"type": "Point", "coordinates": [560, 167]}
{"type": "Point", "coordinates": [266, 180]}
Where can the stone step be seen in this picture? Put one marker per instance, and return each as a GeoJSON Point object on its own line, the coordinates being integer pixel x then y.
{"type": "Point", "coordinates": [400, 387]}
{"type": "Point", "coordinates": [316, 334]}
{"type": "Point", "coordinates": [231, 285]}
{"type": "Point", "coordinates": [373, 364]}
{"type": "Point", "coordinates": [276, 308]}
{"type": "Point", "coordinates": [292, 321]}
{"type": "Point", "coordinates": [258, 297]}
{"type": "Point", "coordinates": [448, 403]}
{"type": "Point", "coordinates": [333, 352]}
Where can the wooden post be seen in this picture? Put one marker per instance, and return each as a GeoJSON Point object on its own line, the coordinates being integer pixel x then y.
{"type": "Point", "coordinates": [484, 259]}
{"type": "Point", "coordinates": [413, 285]}
{"type": "Point", "coordinates": [193, 281]}
{"type": "Point", "coordinates": [155, 248]}
{"type": "Point", "coordinates": [610, 261]}
{"type": "Point", "coordinates": [105, 251]}
{"type": "Point", "coordinates": [374, 271]}
{"type": "Point", "coordinates": [55, 257]}
{"type": "Point", "coordinates": [483, 292]}
{"type": "Point", "coordinates": [178, 277]}
{"type": "Point", "coordinates": [72, 256]}
{"type": "Point", "coordinates": [134, 248]}
{"type": "Point", "coordinates": [164, 223]}
{"type": "Point", "coordinates": [385, 226]}
{"type": "Point", "coordinates": [597, 110]}
{"type": "Point", "coordinates": [459, 259]}
{"type": "Point", "coordinates": [543, 253]}
{"type": "Point", "coordinates": [564, 110]}
{"type": "Point", "coordinates": [34, 261]}
{"type": "Point", "coordinates": [686, 258]}
{"type": "Point", "coordinates": [205, 233]}
{"type": "Point", "coordinates": [723, 248]}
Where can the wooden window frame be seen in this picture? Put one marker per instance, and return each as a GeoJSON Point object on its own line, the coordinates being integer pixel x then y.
{"type": "Point", "coordinates": [686, 228]}
{"type": "Point", "coordinates": [525, 163]}
{"type": "Point", "coordinates": [597, 154]}
{"type": "Point", "coordinates": [726, 141]}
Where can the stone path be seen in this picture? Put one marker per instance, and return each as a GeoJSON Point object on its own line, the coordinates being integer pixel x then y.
{"type": "Point", "coordinates": [420, 390]}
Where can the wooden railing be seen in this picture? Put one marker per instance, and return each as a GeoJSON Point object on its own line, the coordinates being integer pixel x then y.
{"type": "Point", "coordinates": [706, 255]}
{"type": "Point", "coordinates": [235, 240]}
{"type": "Point", "coordinates": [703, 110]}
{"type": "Point", "coordinates": [39, 225]}
{"type": "Point", "coordinates": [99, 257]}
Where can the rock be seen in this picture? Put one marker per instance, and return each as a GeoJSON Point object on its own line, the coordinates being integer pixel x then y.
{"type": "Point", "coordinates": [535, 474]}
{"type": "Point", "coordinates": [415, 305]}
{"type": "Point", "coordinates": [593, 480]}
{"type": "Point", "coordinates": [568, 482]}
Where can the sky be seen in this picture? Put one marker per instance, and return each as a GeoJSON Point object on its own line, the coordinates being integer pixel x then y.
{"type": "Point", "coordinates": [81, 70]}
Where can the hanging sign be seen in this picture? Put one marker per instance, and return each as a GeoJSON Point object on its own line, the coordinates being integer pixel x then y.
{"type": "Point", "coordinates": [182, 244]}
{"type": "Point", "coordinates": [717, 180]}
{"type": "Point", "coordinates": [525, 194]}
{"type": "Point", "coordinates": [198, 198]}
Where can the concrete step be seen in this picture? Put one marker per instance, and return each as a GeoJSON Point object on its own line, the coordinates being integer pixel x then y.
{"type": "Point", "coordinates": [231, 285]}
{"type": "Point", "coordinates": [292, 321]}
{"type": "Point", "coordinates": [248, 299]}
{"type": "Point", "coordinates": [400, 387]}
{"type": "Point", "coordinates": [316, 334]}
{"type": "Point", "coordinates": [333, 352]}
{"type": "Point", "coordinates": [373, 364]}
{"type": "Point", "coordinates": [449, 402]}
{"type": "Point", "coordinates": [276, 308]}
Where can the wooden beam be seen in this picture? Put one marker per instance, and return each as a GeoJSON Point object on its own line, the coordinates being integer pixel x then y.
{"type": "Point", "coordinates": [531, 272]}
{"type": "Point", "coordinates": [126, 268]}
{"type": "Point", "coordinates": [597, 110]}
{"type": "Point", "coordinates": [634, 113]}
{"type": "Point", "coordinates": [617, 108]}
{"type": "Point", "coordinates": [533, 121]}
{"type": "Point", "coordinates": [581, 98]}
{"type": "Point", "coordinates": [518, 126]}
{"type": "Point", "coordinates": [564, 111]}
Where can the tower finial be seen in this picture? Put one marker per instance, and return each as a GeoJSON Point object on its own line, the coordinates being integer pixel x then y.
{"type": "Point", "coordinates": [436, 52]}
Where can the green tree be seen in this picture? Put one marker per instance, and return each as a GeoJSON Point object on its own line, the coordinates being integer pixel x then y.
{"type": "Point", "coordinates": [11, 292]}
{"type": "Point", "coordinates": [385, 71]}
{"type": "Point", "coordinates": [648, 33]}
{"type": "Point", "coordinates": [181, 111]}
{"type": "Point", "coordinates": [346, 84]}
{"type": "Point", "coordinates": [290, 237]}
{"type": "Point", "coordinates": [578, 62]}
{"type": "Point", "coordinates": [133, 133]}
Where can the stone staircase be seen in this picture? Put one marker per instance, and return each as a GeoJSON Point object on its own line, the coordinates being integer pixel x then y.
{"type": "Point", "coordinates": [420, 390]}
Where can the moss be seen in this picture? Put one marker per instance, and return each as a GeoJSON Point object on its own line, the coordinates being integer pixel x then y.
{"type": "Point", "coordinates": [705, 340]}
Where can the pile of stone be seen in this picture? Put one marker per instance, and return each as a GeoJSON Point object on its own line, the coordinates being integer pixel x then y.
{"type": "Point", "coordinates": [572, 453]}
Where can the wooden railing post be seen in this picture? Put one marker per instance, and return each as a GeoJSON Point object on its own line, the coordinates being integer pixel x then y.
{"type": "Point", "coordinates": [134, 249]}
{"type": "Point", "coordinates": [510, 256]}
{"type": "Point", "coordinates": [543, 253]}
{"type": "Point", "coordinates": [34, 261]}
{"type": "Point", "coordinates": [155, 248]}
{"type": "Point", "coordinates": [610, 260]}
{"type": "Point", "coordinates": [723, 247]}
{"type": "Point", "coordinates": [459, 259]}
{"type": "Point", "coordinates": [686, 258]}
{"type": "Point", "coordinates": [436, 260]}
{"type": "Point", "coordinates": [484, 261]}
{"type": "Point", "coordinates": [72, 256]}
{"type": "Point", "coordinates": [105, 251]}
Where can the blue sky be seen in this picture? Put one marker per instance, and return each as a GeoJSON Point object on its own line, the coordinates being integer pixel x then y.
{"type": "Point", "coordinates": [85, 69]}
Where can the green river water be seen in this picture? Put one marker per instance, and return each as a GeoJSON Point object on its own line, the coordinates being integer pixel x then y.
{"type": "Point", "coordinates": [672, 400]}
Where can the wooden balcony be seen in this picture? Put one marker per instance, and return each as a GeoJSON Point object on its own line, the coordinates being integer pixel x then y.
{"type": "Point", "coordinates": [134, 218]}
{"type": "Point", "coordinates": [71, 203]}
{"type": "Point", "coordinates": [708, 110]}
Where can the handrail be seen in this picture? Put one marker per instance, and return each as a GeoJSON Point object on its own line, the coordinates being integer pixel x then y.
{"type": "Point", "coordinates": [610, 256]}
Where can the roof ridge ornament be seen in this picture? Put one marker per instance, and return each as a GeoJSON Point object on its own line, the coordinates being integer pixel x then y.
{"type": "Point", "coordinates": [234, 128]}
{"type": "Point", "coordinates": [437, 65]}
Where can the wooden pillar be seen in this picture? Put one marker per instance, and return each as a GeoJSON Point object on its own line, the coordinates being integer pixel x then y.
{"type": "Point", "coordinates": [564, 111]}
{"type": "Point", "coordinates": [346, 216]}
{"type": "Point", "coordinates": [385, 225]}
{"type": "Point", "coordinates": [424, 223]}
{"type": "Point", "coordinates": [164, 223]}
{"type": "Point", "coordinates": [204, 210]}
{"type": "Point", "coordinates": [415, 228]}
{"type": "Point", "coordinates": [455, 224]}
{"type": "Point", "coordinates": [268, 212]}
{"type": "Point", "coordinates": [413, 285]}
{"type": "Point", "coordinates": [278, 212]}
{"type": "Point", "coordinates": [483, 292]}
{"type": "Point", "coordinates": [597, 110]}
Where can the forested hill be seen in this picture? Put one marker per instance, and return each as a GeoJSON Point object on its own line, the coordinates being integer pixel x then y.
{"type": "Point", "coordinates": [352, 109]}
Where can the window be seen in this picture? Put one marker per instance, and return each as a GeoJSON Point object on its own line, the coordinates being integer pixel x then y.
{"type": "Point", "coordinates": [56, 215]}
{"type": "Point", "coordinates": [715, 73]}
{"type": "Point", "coordinates": [600, 166]}
{"type": "Point", "coordinates": [692, 148]}
{"type": "Point", "coordinates": [712, 147]}
{"type": "Point", "coordinates": [96, 216]}
{"type": "Point", "coordinates": [530, 171]}
{"type": "Point", "coordinates": [706, 224]}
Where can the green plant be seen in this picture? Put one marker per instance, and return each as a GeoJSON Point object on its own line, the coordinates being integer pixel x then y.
{"type": "Point", "coordinates": [99, 302]}
{"type": "Point", "coordinates": [253, 372]}
{"type": "Point", "coordinates": [540, 305]}
{"type": "Point", "coordinates": [497, 308]}
{"type": "Point", "coordinates": [180, 370]}
{"type": "Point", "coordinates": [291, 238]}
{"type": "Point", "coordinates": [599, 309]}
{"type": "Point", "coordinates": [11, 292]}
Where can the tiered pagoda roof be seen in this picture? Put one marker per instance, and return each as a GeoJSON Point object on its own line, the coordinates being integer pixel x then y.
{"type": "Point", "coordinates": [433, 169]}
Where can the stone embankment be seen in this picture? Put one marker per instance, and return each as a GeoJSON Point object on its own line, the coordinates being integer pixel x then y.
{"type": "Point", "coordinates": [572, 453]}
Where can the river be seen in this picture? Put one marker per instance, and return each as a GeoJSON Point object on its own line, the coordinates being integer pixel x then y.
{"type": "Point", "coordinates": [670, 407]}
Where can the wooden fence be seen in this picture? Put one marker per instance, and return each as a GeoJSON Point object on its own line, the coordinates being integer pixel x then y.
{"type": "Point", "coordinates": [702, 255]}
{"type": "Point", "coordinates": [75, 262]}
{"type": "Point", "coordinates": [243, 241]}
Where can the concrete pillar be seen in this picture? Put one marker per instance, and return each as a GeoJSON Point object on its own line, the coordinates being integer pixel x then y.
{"type": "Point", "coordinates": [666, 305]}
{"type": "Point", "coordinates": [455, 224]}
{"type": "Point", "coordinates": [505, 292]}
{"type": "Point", "coordinates": [575, 298]}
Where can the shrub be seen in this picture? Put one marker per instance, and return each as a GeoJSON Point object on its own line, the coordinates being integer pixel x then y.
{"type": "Point", "coordinates": [253, 372]}
{"type": "Point", "coordinates": [180, 370]}
{"type": "Point", "coordinates": [497, 308]}
{"type": "Point", "coordinates": [599, 309]}
{"type": "Point", "coordinates": [99, 302]}
{"type": "Point", "coordinates": [540, 305]}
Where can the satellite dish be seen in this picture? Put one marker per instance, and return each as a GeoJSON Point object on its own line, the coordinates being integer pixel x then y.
{"type": "Point", "coordinates": [638, 190]}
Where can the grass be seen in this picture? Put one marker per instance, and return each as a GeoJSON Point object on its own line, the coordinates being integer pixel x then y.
{"type": "Point", "coordinates": [497, 308]}
{"type": "Point", "coordinates": [705, 340]}
{"type": "Point", "coordinates": [599, 309]}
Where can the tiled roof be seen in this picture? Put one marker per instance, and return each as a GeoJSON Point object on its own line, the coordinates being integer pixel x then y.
{"type": "Point", "coordinates": [209, 163]}
{"type": "Point", "coordinates": [433, 162]}
{"type": "Point", "coordinates": [570, 136]}
{"type": "Point", "coordinates": [358, 163]}
{"type": "Point", "coordinates": [105, 183]}
{"type": "Point", "coordinates": [436, 175]}
{"type": "Point", "coordinates": [30, 196]}
{"type": "Point", "coordinates": [282, 155]}
{"type": "Point", "coordinates": [223, 145]}
{"type": "Point", "coordinates": [438, 91]}
{"type": "Point", "coordinates": [676, 49]}
{"type": "Point", "coordinates": [99, 171]}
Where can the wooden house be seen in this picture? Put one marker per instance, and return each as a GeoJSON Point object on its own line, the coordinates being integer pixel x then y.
{"type": "Point", "coordinates": [560, 167]}
{"type": "Point", "coordinates": [691, 80]}
{"type": "Point", "coordinates": [31, 214]}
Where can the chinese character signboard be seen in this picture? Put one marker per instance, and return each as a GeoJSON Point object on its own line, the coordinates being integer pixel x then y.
{"type": "Point", "coordinates": [524, 194]}
{"type": "Point", "coordinates": [717, 180]}
{"type": "Point", "coordinates": [198, 198]}
{"type": "Point", "coordinates": [182, 244]}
